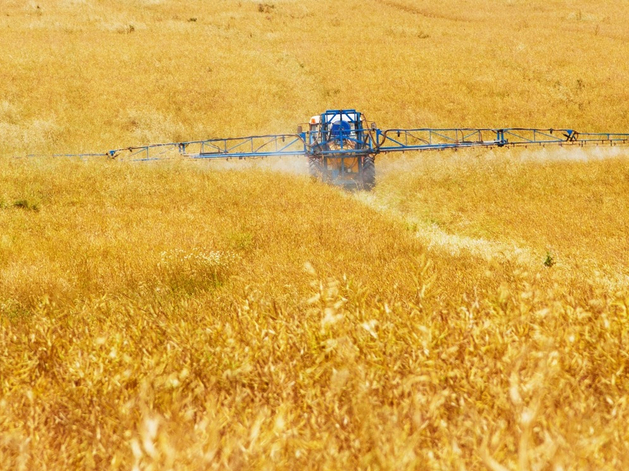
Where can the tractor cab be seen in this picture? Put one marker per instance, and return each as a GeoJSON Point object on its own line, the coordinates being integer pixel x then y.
{"type": "Point", "coordinates": [339, 128]}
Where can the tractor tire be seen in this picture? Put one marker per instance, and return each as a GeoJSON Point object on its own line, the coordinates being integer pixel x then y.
{"type": "Point", "coordinates": [315, 166]}
{"type": "Point", "coordinates": [369, 172]}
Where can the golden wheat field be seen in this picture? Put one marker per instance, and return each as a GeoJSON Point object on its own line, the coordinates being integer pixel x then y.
{"type": "Point", "coordinates": [470, 313]}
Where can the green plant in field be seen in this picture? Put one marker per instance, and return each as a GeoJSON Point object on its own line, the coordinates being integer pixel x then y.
{"type": "Point", "coordinates": [549, 261]}
{"type": "Point", "coordinates": [26, 204]}
{"type": "Point", "coordinates": [12, 309]}
{"type": "Point", "coordinates": [411, 226]}
{"type": "Point", "coordinates": [242, 240]}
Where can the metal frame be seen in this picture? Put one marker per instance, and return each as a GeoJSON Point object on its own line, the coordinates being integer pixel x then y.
{"type": "Point", "coordinates": [393, 140]}
{"type": "Point", "coordinates": [362, 138]}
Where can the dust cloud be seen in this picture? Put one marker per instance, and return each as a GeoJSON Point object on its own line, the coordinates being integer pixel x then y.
{"type": "Point", "coordinates": [295, 165]}
{"type": "Point", "coordinates": [573, 154]}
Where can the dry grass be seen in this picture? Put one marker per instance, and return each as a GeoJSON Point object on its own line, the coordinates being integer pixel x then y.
{"type": "Point", "coordinates": [88, 75]}
{"type": "Point", "coordinates": [172, 316]}
{"type": "Point", "coordinates": [568, 204]}
{"type": "Point", "coordinates": [184, 315]}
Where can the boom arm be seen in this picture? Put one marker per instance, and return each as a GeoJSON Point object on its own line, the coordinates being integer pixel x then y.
{"type": "Point", "coordinates": [346, 134]}
{"type": "Point", "coordinates": [375, 141]}
{"type": "Point", "coordinates": [341, 145]}
{"type": "Point", "coordinates": [236, 147]}
{"type": "Point", "coordinates": [400, 140]}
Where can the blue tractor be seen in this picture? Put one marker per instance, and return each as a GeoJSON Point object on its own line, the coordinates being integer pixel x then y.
{"type": "Point", "coordinates": [340, 149]}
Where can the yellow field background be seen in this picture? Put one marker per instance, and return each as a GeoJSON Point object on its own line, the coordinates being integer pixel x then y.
{"type": "Point", "coordinates": [471, 313]}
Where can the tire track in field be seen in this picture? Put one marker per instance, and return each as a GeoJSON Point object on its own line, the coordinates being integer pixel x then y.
{"type": "Point", "coordinates": [440, 241]}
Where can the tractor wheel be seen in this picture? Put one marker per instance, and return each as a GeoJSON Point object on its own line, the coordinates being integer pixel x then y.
{"type": "Point", "coordinates": [315, 165]}
{"type": "Point", "coordinates": [369, 172]}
